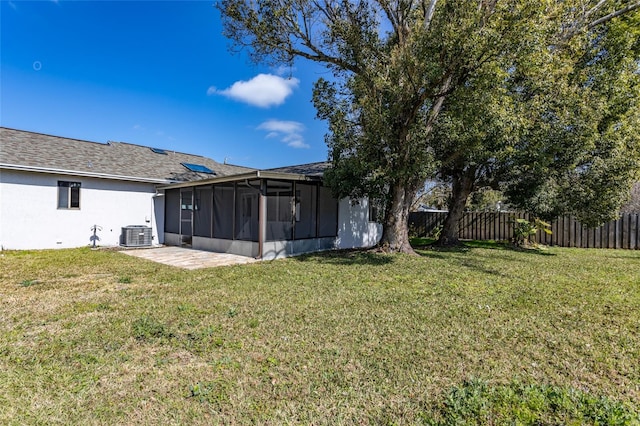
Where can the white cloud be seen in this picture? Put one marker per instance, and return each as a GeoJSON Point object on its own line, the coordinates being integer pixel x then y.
{"type": "Point", "coordinates": [282, 126]}
{"type": "Point", "coordinates": [263, 90]}
{"type": "Point", "coordinates": [289, 132]}
{"type": "Point", "coordinates": [284, 70]}
{"type": "Point", "coordinates": [298, 144]}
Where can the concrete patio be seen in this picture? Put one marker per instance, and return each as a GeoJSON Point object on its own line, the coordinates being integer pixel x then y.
{"type": "Point", "coordinates": [188, 258]}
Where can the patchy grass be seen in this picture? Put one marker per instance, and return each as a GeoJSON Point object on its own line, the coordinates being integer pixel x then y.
{"type": "Point", "coordinates": [481, 335]}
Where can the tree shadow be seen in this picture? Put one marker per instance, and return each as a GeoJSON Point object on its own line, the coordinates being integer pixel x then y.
{"type": "Point", "coordinates": [456, 262]}
{"type": "Point", "coordinates": [455, 255]}
{"type": "Point", "coordinates": [466, 246]}
{"type": "Point", "coordinates": [348, 257]}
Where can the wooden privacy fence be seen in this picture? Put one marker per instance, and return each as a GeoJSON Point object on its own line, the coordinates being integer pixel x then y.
{"type": "Point", "coordinates": [623, 233]}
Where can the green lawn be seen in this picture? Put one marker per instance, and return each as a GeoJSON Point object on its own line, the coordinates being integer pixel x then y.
{"type": "Point", "coordinates": [480, 335]}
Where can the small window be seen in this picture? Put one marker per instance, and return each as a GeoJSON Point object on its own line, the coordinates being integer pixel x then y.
{"type": "Point", "coordinates": [198, 168]}
{"type": "Point", "coordinates": [68, 195]}
{"type": "Point", "coordinates": [374, 212]}
{"type": "Point", "coordinates": [159, 151]}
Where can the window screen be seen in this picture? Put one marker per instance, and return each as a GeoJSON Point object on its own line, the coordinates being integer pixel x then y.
{"type": "Point", "coordinates": [223, 207]}
{"type": "Point", "coordinates": [186, 212]}
{"type": "Point", "coordinates": [203, 212]}
{"type": "Point", "coordinates": [172, 211]}
{"type": "Point", "coordinates": [279, 210]}
{"type": "Point", "coordinates": [247, 212]}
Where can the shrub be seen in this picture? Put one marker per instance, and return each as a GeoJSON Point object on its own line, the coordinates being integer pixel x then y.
{"type": "Point", "coordinates": [525, 231]}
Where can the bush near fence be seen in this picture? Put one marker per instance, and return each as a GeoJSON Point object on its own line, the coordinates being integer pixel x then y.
{"type": "Point", "coordinates": [623, 233]}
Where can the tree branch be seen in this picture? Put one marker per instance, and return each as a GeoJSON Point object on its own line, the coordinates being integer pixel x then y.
{"type": "Point", "coordinates": [319, 56]}
{"type": "Point", "coordinates": [428, 16]}
{"type": "Point", "coordinates": [437, 105]}
{"type": "Point", "coordinates": [613, 15]}
{"type": "Point", "coordinates": [394, 19]}
{"type": "Point", "coordinates": [595, 8]}
{"type": "Point", "coordinates": [581, 21]}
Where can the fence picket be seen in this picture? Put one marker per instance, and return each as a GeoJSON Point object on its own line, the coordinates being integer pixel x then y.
{"type": "Point", "coordinates": [567, 231]}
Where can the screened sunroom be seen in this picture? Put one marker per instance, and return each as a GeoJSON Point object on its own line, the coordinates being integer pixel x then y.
{"type": "Point", "coordinates": [260, 214]}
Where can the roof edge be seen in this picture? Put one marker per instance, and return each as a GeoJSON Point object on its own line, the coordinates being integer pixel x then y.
{"type": "Point", "coordinates": [83, 174]}
{"type": "Point", "coordinates": [257, 174]}
{"type": "Point", "coordinates": [299, 165]}
{"type": "Point", "coordinates": [53, 136]}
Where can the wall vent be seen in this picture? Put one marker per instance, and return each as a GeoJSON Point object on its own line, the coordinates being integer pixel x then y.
{"type": "Point", "coordinates": [136, 236]}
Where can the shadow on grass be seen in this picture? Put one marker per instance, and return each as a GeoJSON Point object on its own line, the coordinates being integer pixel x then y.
{"type": "Point", "coordinates": [424, 248]}
{"type": "Point", "coordinates": [426, 244]}
{"type": "Point", "coordinates": [455, 255]}
{"type": "Point", "coordinates": [467, 262]}
{"type": "Point", "coordinates": [348, 257]}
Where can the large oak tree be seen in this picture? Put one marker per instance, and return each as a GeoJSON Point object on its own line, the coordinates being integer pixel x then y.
{"type": "Point", "coordinates": [397, 65]}
{"type": "Point", "coordinates": [556, 129]}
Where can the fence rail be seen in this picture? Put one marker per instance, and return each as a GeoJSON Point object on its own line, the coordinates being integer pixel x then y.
{"type": "Point", "coordinates": [623, 233]}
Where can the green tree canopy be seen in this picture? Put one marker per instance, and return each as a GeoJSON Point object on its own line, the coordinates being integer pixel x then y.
{"type": "Point", "coordinates": [554, 127]}
{"type": "Point", "coordinates": [478, 92]}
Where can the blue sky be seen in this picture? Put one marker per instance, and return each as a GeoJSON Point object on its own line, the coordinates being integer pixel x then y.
{"type": "Point", "coordinates": [155, 73]}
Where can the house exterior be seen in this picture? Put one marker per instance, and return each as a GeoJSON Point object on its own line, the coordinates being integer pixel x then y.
{"type": "Point", "coordinates": [55, 190]}
{"type": "Point", "coordinates": [266, 214]}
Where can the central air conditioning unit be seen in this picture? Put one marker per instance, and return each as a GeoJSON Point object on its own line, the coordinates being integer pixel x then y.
{"type": "Point", "coordinates": [136, 236]}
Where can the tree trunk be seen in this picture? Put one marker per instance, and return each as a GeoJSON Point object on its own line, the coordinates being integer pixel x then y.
{"type": "Point", "coordinates": [460, 191]}
{"type": "Point", "coordinates": [395, 234]}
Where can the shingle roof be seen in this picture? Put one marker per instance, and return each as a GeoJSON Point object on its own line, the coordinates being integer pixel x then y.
{"type": "Point", "coordinates": [36, 151]}
{"type": "Point", "coordinates": [311, 169]}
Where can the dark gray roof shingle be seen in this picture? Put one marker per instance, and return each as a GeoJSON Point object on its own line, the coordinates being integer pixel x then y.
{"type": "Point", "coordinates": [20, 148]}
{"type": "Point", "coordinates": [310, 169]}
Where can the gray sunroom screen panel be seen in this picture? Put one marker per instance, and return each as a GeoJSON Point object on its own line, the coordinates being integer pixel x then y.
{"type": "Point", "coordinates": [172, 211]}
{"type": "Point", "coordinates": [203, 212]}
{"type": "Point", "coordinates": [328, 213]}
{"type": "Point", "coordinates": [223, 211]}
{"type": "Point", "coordinates": [186, 212]}
{"type": "Point", "coordinates": [306, 200]}
{"type": "Point", "coordinates": [279, 214]}
{"type": "Point", "coordinates": [247, 212]}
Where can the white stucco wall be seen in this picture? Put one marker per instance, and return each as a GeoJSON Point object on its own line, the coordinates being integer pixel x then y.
{"type": "Point", "coordinates": [30, 219]}
{"type": "Point", "coordinates": [354, 228]}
